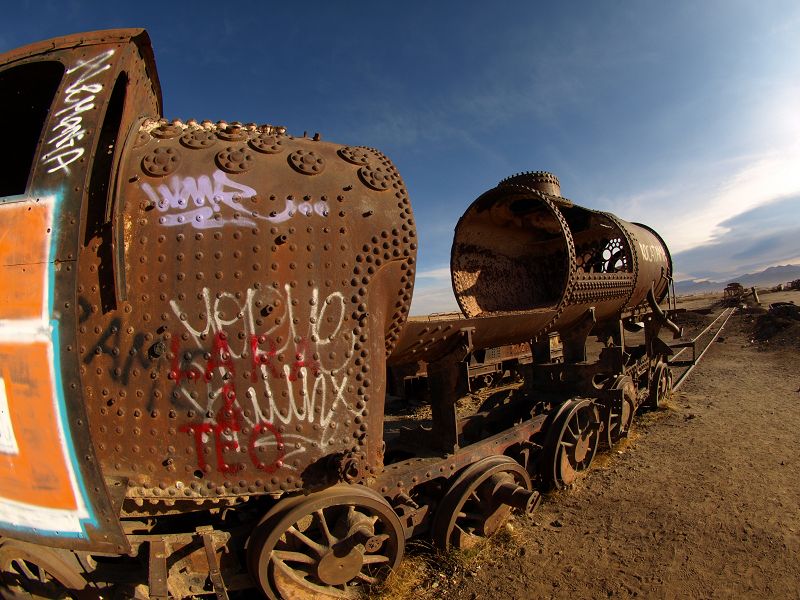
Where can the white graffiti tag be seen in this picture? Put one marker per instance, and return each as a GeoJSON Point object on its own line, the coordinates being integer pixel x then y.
{"type": "Point", "coordinates": [198, 201]}
{"type": "Point", "coordinates": [63, 145]}
{"type": "Point", "coordinates": [652, 253]}
{"type": "Point", "coordinates": [296, 373]}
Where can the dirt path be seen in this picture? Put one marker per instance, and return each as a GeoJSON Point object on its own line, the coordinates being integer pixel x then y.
{"type": "Point", "coordinates": [703, 503]}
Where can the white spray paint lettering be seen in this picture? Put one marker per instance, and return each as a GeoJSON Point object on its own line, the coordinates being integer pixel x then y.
{"type": "Point", "coordinates": [311, 384]}
{"type": "Point", "coordinates": [198, 201]}
{"type": "Point", "coordinates": [652, 253]}
{"type": "Point", "coordinates": [79, 97]}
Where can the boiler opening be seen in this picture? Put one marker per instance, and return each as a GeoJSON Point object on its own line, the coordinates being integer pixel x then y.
{"type": "Point", "coordinates": [510, 254]}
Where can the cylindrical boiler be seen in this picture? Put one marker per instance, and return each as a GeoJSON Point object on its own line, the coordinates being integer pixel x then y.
{"type": "Point", "coordinates": [526, 261]}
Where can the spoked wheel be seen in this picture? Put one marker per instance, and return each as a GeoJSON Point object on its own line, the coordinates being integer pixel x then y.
{"type": "Point", "coordinates": [571, 442]}
{"type": "Point", "coordinates": [619, 415]}
{"type": "Point", "coordinates": [480, 500]}
{"type": "Point", "coordinates": [660, 385]}
{"type": "Point", "coordinates": [30, 571]}
{"type": "Point", "coordinates": [331, 544]}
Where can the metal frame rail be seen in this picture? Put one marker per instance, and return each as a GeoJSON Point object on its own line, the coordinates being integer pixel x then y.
{"type": "Point", "coordinates": [691, 364]}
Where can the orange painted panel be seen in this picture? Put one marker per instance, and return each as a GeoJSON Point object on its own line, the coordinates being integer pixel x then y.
{"type": "Point", "coordinates": [38, 474]}
{"type": "Point", "coordinates": [23, 258]}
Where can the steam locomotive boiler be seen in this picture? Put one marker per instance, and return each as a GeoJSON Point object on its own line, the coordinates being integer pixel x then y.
{"type": "Point", "coordinates": [197, 322]}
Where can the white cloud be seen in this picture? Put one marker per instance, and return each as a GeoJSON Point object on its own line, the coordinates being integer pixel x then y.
{"type": "Point", "coordinates": [441, 274]}
{"type": "Point", "coordinates": [716, 185]}
{"type": "Point", "coordinates": [433, 292]}
{"type": "Point", "coordinates": [795, 260]}
{"type": "Point", "coordinates": [691, 213]}
{"type": "Point", "coordinates": [434, 299]}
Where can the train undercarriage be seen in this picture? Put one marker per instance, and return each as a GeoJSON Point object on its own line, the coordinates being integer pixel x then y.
{"type": "Point", "coordinates": [457, 462]}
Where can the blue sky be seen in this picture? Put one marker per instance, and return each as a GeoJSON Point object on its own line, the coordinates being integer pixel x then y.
{"type": "Point", "coordinates": [681, 115]}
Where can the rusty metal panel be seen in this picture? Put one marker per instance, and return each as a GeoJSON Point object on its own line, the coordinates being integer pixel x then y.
{"type": "Point", "coordinates": [220, 298]}
{"type": "Point", "coordinates": [51, 486]}
{"type": "Point", "coordinates": [263, 279]}
{"type": "Point", "coordinates": [523, 250]}
{"type": "Point", "coordinates": [526, 261]}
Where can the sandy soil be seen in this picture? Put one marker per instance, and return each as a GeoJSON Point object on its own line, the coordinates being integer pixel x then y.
{"type": "Point", "coordinates": [703, 500]}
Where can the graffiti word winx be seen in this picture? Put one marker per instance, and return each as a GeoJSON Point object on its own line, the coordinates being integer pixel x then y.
{"type": "Point", "coordinates": [290, 372]}
{"type": "Point", "coordinates": [305, 367]}
{"type": "Point", "coordinates": [228, 423]}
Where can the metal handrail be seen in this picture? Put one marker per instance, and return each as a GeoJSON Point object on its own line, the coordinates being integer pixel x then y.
{"type": "Point", "coordinates": [696, 360]}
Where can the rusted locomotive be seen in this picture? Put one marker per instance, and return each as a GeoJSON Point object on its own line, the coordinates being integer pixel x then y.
{"type": "Point", "coordinates": [197, 321]}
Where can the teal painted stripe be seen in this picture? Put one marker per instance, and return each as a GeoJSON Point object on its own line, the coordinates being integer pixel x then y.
{"type": "Point", "coordinates": [58, 384]}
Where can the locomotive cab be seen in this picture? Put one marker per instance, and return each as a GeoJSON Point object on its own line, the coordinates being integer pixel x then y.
{"type": "Point", "coordinates": [71, 103]}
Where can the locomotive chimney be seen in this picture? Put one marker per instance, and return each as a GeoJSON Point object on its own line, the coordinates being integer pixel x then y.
{"type": "Point", "coordinates": [541, 181]}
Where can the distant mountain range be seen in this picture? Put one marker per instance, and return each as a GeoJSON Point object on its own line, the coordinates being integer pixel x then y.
{"type": "Point", "coordinates": [766, 278]}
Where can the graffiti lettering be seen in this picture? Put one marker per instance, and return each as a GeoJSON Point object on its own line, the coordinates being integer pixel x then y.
{"type": "Point", "coordinates": [300, 374]}
{"type": "Point", "coordinates": [217, 431]}
{"type": "Point", "coordinates": [303, 358]}
{"type": "Point", "coordinates": [198, 201]}
{"type": "Point", "coordinates": [120, 369]}
{"type": "Point", "coordinates": [79, 97]}
{"type": "Point", "coordinates": [178, 372]}
{"type": "Point", "coordinates": [228, 420]}
{"type": "Point", "coordinates": [253, 447]}
{"type": "Point", "coordinates": [652, 253]}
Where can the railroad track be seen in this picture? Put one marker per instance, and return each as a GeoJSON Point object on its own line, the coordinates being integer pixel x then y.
{"type": "Point", "coordinates": [699, 345]}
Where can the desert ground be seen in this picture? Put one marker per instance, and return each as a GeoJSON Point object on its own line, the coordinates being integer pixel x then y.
{"type": "Point", "coordinates": [701, 501]}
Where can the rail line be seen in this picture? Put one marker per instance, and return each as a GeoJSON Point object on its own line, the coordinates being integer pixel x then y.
{"type": "Point", "coordinates": [689, 365]}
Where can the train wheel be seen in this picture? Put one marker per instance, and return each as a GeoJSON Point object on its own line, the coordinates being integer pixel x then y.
{"type": "Point", "coordinates": [571, 442]}
{"type": "Point", "coordinates": [331, 544]}
{"type": "Point", "coordinates": [479, 502]}
{"type": "Point", "coordinates": [30, 571]}
{"type": "Point", "coordinates": [660, 385]}
{"type": "Point", "coordinates": [620, 414]}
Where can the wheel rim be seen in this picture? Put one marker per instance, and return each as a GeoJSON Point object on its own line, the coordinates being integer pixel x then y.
{"type": "Point", "coordinates": [332, 544]}
{"type": "Point", "coordinates": [469, 512]}
{"type": "Point", "coordinates": [661, 386]}
{"type": "Point", "coordinates": [30, 571]}
{"type": "Point", "coordinates": [572, 442]}
{"type": "Point", "coordinates": [618, 419]}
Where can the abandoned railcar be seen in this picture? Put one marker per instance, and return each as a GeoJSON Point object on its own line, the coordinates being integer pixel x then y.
{"type": "Point", "coordinates": [197, 322]}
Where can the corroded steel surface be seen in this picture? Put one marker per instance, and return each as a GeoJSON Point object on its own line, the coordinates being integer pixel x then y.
{"type": "Point", "coordinates": [51, 483]}
{"type": "Point", "coordinates": [425, 339]}
{"type": "Point", "coordinates": [198, 315]}
{"type": "Point", "coordinates": [262, 283]}
{"type": "Point", "coordinates": [526, 261]}
{"type": "Point", "coordinates": [359, 544]}
{"type": "Point", "coordinates": [520, 249]}
{"type": "Point", "coordinates": [225, 296]}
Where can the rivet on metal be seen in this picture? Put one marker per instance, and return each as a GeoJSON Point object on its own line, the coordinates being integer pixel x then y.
{"type": "Point", "coordinates": [232, 133]}
{"type": "Point", "coordinates": [267, 143]}
{"type": "Point", "coordinates": [306, 162]}
{"type": "Point", "coordinates": [142, 139]}
{"type": "Point", "coordinates": [376, 178]}
{"type": "Point", "coordinates": [357, 155]}
{"type": "Point", "coordinates": [166, 132]}
{"type": "Point", "coordinates": [235, 159]}
{"type": "Point", "coordinates": [198, 138]}
{"type": "Point", "coordinates": [161, 161]}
